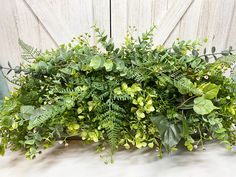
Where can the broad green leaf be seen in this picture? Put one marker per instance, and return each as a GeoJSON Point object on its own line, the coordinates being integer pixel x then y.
{"type": "Point", "coordinates": [211, 90]}
{"type": "Point", "coordinates": [108, 65]}
{"type": "Point", "coordinates": [203, 106]}
{"type": "Point", "coordinates": [97, 62]}
{"type": "Point", "coordinates": [170, 133]}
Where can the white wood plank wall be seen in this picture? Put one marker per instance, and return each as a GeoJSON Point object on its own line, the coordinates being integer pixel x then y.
{"type": "Point", "coordinates": [47, 23]}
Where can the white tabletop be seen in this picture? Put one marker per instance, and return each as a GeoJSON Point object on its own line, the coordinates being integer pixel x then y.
{"type": "Point", "coordinates": [79, 160]}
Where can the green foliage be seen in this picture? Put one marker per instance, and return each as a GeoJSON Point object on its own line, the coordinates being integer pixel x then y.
{"type": "Point", "coordinates": [170, 132]}
{"type": "Point", "coordinates": [29, 52]}
{"type": "Point", "coordinates": [203, 106]}
{"type": "Point", "coordinates": [138, 95]}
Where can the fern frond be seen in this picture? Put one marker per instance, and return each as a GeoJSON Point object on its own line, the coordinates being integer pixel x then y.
{"type": "Point", "coordinates": [29, 52]}
{"type": "Point", "coordinates": [122, 97]}
{"type": "Point", "coordinates": [185, 86]}
{"type": "Point", "coordinates": [64, 91]}
{"type": "Point", "coordinates": [104, 95]}
{"type": "Point", "coordinates": [136, 74]}
{"type": "Point", "coordinates": [43, 114]}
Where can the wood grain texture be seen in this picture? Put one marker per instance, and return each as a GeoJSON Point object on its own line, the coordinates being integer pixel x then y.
{"type": "Point", "coordinates": [171, 19]}
{"type": "Point", "coordinates": [28, 23]}
{"type": "Point", "coordinates": [189, 21]}
{"type": "Point", "coordinates": [9, 49]}
{"type": "Point", "coordinates": [222, 23]}
{"type": "Point", "coordinates": [119, 20]}
{"type": "Point", "coordinates": [80, 15]}
{"type": "Point", "coordinates": [57, 29]}
{"type": "Point", "coordinates": [176, 31]}
{"type": "Point", "coordinates": [231, 40]}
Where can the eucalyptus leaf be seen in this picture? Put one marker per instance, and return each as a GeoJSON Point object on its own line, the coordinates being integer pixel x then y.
{"type": "Point", "coordinates": [108, 65]}
{"type": "Point", "coordinates": [97, 62]}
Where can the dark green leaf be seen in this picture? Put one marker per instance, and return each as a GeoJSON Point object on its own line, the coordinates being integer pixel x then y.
{"type": "Point", "coordinates": [170, 133]}
{"type": "Point", "coordinates": [213, 49]}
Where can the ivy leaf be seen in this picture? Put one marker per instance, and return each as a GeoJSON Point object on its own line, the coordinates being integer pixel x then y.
{"type": "Point", "coordinates": [211, 90]}
{"type": "Point", "coordinates": [108, 65]}
{"type": "Point", "coordinates": [170, 133]}
{"type": "Point", "coordinates": [96, 62]}
{"type": "Point", "coordinates": [203, 106]}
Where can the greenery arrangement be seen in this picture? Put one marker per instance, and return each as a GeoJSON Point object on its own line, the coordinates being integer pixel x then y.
{"type": "Point", "coordinates": [138, 95]}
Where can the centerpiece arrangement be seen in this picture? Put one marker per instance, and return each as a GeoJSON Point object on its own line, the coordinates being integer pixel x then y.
{"type": "Point", "coordinates": [138, 95]}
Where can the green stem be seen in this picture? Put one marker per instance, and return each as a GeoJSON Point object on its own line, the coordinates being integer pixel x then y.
{"type": "Point", "coordinates": [178, 107]}
{"type": "Point", "coordinates": [200, 133]}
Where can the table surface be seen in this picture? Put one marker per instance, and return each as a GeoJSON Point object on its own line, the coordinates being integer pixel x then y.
{"type": "Point", "coordinates": [79, 160]}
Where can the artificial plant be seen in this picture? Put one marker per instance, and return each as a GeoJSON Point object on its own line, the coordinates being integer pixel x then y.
{"type": "Point", "coordinates": [138, 95]}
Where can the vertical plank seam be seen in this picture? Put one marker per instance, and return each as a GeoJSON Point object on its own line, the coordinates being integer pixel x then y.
{"type": "Point", "coordinates": [110, 20]}
{"type": "Point", "coordinates": [198, 18]}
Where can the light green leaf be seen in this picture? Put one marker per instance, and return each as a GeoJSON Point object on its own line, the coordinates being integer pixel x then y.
{"type": "Point", "coordinates": [117, 91]}
{"type": "Point", "coordinates": [30, 142]}
{"type": "Point", "coordinates": [80, 110]}
{"type": "Point", "coordinates": [97, 62]}
{"type": "Point", "coordinates": [108, 65]}
{"type": "Point", "coordinates": [151, 145]}
{"type": "Point", "coordinates": [140, 114]}
{"type": "Point", "coordinates": [170, 133]}
{"type": "Point", "coordinates": [211, 90]}
{"type": "Point", "coordinates": [136, 87]}
{"type": "Point", "coordinates": [203, 106]}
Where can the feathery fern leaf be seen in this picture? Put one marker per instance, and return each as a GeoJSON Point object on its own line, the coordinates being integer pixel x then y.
{"type": "Point", "coordinates": [29, 52]}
